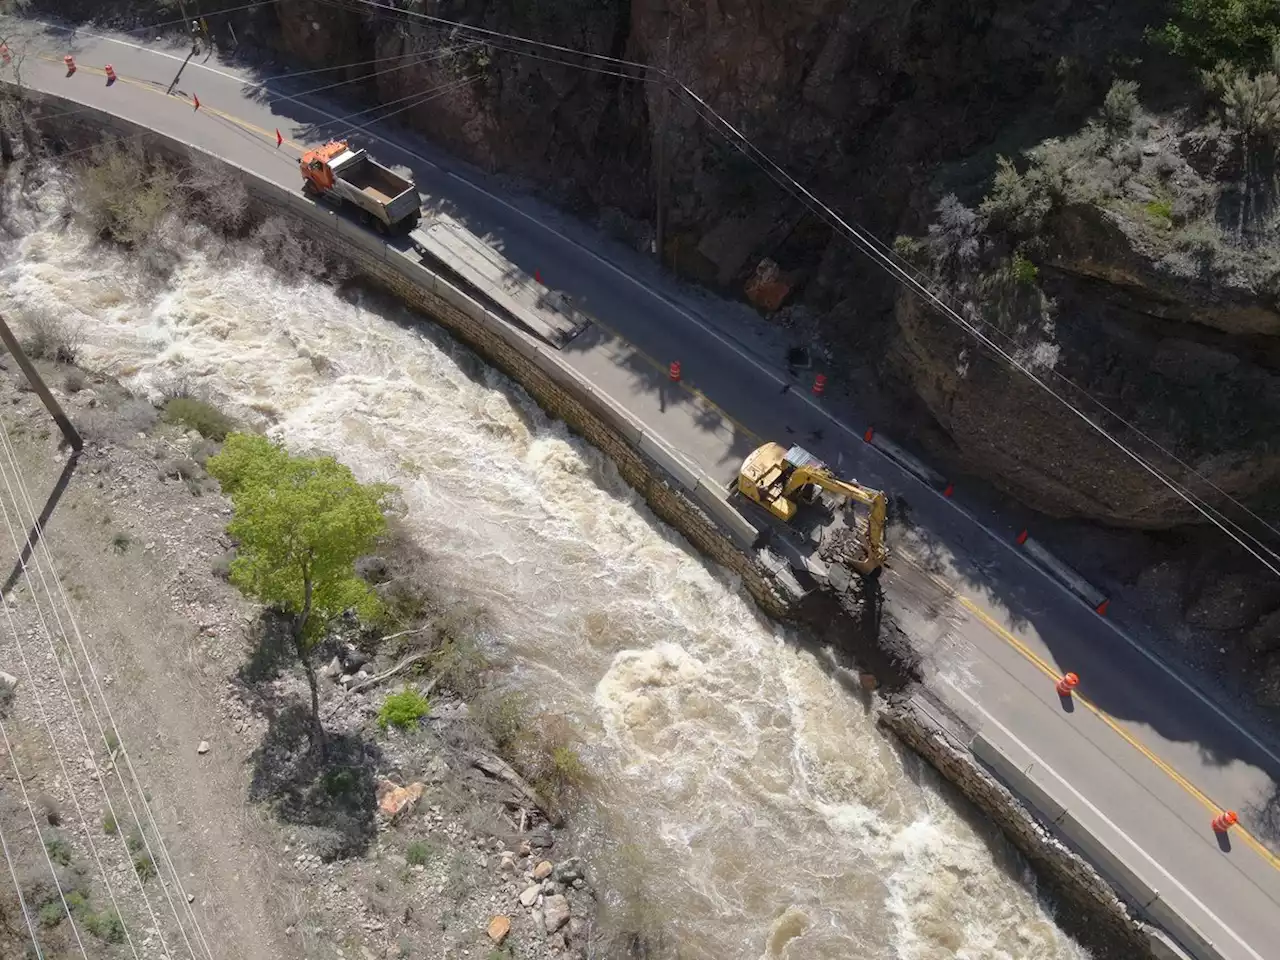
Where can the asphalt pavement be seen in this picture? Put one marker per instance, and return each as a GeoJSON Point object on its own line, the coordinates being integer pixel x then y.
{"type": "Point", "coordinates": [1143, 754]}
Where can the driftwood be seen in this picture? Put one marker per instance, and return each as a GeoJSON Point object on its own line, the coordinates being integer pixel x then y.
{"type": "Point", "coordinates": [501, 770]}
{"type": "Point", "coordinates": [380, 678]}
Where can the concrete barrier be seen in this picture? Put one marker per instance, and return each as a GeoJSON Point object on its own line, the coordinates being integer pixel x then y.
{"type": "Point", "coordinates": [714, 500]}
{"type": "Point", "coordinates": [1064, 574]}
{"type": "Point", "coordinates": [673, 463]}
{"type": "Point", "coordinates": [1187, 934]}
{"type": "Point", "coordinates": [908, 461]}
{"type": "Point", "coordinates": [1018, 774]}
{"type": "Point", "coordinates": [1119, 871]}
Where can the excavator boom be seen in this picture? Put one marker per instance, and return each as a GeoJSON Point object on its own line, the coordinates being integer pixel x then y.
{"type": "Point", "coordinates": [780, 480]}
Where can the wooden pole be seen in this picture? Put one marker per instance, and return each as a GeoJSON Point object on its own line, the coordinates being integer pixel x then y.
{"type": "Point", "coordinates": [69, 432]}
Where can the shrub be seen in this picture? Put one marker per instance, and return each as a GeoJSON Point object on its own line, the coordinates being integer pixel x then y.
{"type": "Point", "coordinates": [1016, 202]}
{"type": "Point", "coordinates": [1024, 271]}
{"type": "Point", "coordinates": [135, 843]}
{"type": "Point", "coordinates": [502, 715]}
{"type": "Point", "coordinates": [120, 541]}
{"type": "Point", "coordinates": [51, 913]}
{"type": "Point", "coordinates": [109, 825]}
{"type": "Point", "coordinates": [549, 758]}
{"type": "Point", "coordinates": [145, 866]}
{"type": "Point", "coordinates": [123, 196]}
{"type": "Point", "coordinates": [75, 381]}
{"type": "Point", "coordinates": [105, 925]}
{"type": "Point", "coordinates": [955, 238]}
{"type": "Point", "coordinates": [206, 419]}
{"type": "Point", "coordinates": [58, 849]}
{"type": "Point", "coordinates": [403, 710]}
{"type": "Point", "coordinates": [111, 740]}
{"type": "Point", "coordinates": [1251, 105]}
{"type": "Point", "coordinates": [1161, 209]}
{"type": "Point", "coordinates": [1119, 106]}
{"type": "Point", "coordinates": [51, 337]}
{"type": "Point", "coordinates": [418, 853]}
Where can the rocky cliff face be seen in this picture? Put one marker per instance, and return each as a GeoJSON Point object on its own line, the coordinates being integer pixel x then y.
{"type": "Point", "coordinates": [1142, 296]}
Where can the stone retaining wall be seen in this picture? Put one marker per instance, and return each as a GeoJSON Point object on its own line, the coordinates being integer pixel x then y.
{"type": "Point", "coordinates": [1090, 910]}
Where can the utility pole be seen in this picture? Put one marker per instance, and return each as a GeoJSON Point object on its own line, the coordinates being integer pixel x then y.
{"type": "Point", "coordinates": [664, 97]}
{"type": "Point", "coordinates": [69, 432]}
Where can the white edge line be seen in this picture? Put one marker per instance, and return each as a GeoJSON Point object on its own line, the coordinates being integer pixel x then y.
{"type": "Point", "coordinates": [804, 398]}
{"type": "Point", "coordinates": [1104, 818]}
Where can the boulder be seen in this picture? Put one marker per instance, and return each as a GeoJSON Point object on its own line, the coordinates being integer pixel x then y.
{"type": "Point", "coordinates": [568, 871]}
{"type": "Point", "coordinates": [555, 912]}
{"type": "Point", "coordinates": [530, 895]}
{"type": "Point", "coordinates": [393, 799]}
{"type": "Point", "coordinates": [499, 927]}
{"type": "Point", "coordinates": [542, 870]}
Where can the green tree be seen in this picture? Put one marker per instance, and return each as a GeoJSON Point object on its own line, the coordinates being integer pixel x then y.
{"type": "Point", "coordinates": [300, 524]}
{"type": "Point", "coordinates": [1208, 32]}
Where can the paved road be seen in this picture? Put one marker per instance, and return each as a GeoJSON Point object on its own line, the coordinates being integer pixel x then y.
{"type": "Point", "coordinates": [1143, 757]}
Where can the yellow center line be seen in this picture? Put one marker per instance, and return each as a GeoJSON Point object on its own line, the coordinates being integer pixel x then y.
{"type": "Point", "coordinates": [1106, 718]}
{"type": "Point", "coordinates": [968, 604]}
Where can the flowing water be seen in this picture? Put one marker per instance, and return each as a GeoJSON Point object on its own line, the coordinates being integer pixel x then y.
{"type": "Point", "coordinates": [766, 814]}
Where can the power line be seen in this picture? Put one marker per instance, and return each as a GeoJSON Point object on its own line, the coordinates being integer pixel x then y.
{"type": "Point", "coordinates": [26, 799]}
{"type": "Point", "coordinates": [71, 706]}
{"type": "Point", "coordinates": [486, 32]}
{"type": "Point", "coordinates": [22, 901]}
{"type": "Point", "coordinates": [888, 263]}
{"type": "Point", "coordinates": [418, 100]}
{"type": "Point", "coordinates": [213, 13]}
{"type": "Point", "coordinates": [42, 546]}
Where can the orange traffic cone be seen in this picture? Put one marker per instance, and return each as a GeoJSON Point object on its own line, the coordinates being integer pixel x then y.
{"type": "Point", "coordinates": [1225, 821]}
{"type": "Point", "coordinates": [70, 61]}
{"type": "Point", "coordinates": [111, 74]}
{"type": "Point", "coordinates": [1068, 683]}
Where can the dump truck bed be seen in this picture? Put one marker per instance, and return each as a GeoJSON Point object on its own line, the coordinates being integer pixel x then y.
{"type": "Point", "coordinates": [395, 195]}
{"type": "Point", "coordinates": [546, 314]}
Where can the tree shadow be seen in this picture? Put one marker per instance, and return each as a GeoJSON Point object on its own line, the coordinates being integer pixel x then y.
{"type": "Point", "coordinates": [332, 797]}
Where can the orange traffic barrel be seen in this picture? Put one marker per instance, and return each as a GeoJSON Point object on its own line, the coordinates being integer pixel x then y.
{"type": "Point", "coordinates": [1225, 821]}
{"type": "Point", "coordinates": [1068, 683]}
{"type": "Point", "coordinates": [819, 384]}
{"type": "Point", "coordinates": [70, 61]}
{"type": "Point", "coordinates": [111, 74]}
{"type": "Point", "coordinates": [675, 370]}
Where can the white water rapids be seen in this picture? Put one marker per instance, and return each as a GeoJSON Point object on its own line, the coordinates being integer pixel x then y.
{"type": "Point", "coordinates": [770, 816]}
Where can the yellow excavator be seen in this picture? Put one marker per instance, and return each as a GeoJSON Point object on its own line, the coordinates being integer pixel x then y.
{"type": "Point", "coordinates": [782, 481]}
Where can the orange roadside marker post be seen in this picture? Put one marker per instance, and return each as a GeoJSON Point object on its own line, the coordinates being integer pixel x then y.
{"type": "Point", "coordinates": [1068, 683]}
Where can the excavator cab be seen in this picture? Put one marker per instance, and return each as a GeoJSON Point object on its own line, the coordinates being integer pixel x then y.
{"type": "Point", "coordinates": [783, 480]}
{"type": "Point", "coordinates": [316, 172]}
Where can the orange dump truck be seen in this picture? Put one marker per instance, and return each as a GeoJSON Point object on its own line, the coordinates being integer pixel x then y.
{"type": "Point", "coordinates": [387, 201]}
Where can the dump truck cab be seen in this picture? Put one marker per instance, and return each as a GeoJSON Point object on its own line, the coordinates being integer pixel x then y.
{"type": "Point", "coordinates": [317, 165]}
